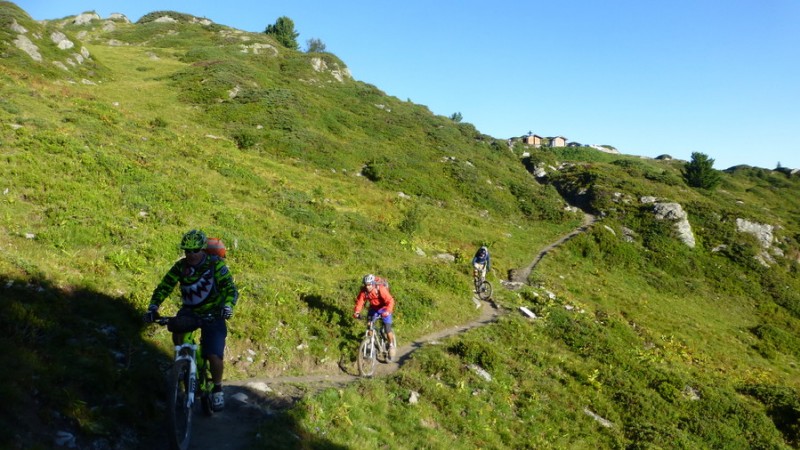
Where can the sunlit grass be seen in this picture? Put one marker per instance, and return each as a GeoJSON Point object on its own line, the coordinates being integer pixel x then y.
{"type": "Point", "coordinates": [311, 185]}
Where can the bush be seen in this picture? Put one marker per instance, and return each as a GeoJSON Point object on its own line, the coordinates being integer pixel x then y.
{"type": "Point", "coordinates": [245, 139]}
{"type": "Point", "coordinates": [476, 352]}
{"type": "Point", "coordinates": [412, 221]}
{"type": "Point", "coordinates": [375, 169]}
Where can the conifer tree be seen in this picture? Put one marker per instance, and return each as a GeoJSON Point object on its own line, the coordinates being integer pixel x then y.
{"type": "Point", "coordinates": [700, 172]}
{"type": "Point", "coordinates": [283, 31]}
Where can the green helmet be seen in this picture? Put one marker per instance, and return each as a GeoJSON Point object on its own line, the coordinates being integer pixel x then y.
{"type": "Point", "coordinates": [193, 240]}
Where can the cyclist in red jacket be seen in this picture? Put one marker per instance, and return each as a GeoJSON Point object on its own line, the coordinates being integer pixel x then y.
{"type": "Point", "coordinates": [381, 302]}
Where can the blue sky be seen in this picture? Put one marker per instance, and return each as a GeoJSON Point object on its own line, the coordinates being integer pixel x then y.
{"type": "Point", "coordinates": [720, 77]}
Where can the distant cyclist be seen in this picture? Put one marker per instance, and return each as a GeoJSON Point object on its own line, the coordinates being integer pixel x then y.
{"type": "Point", "coordinates": [481, 263]}
{"type": "Point", "coordinates": [206, 287]}
{"type": "Point", "coordinates": [376, 292]}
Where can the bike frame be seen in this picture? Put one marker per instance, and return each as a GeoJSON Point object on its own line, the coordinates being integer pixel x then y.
{"type": "Point", "coordinates": [482, 287]}
{"type": "Point", "coordinates": [478, 276]}
{"type": "Point", "coordinates": [380, 336]}
{"type": "Point", "coordinates": [375, 343]}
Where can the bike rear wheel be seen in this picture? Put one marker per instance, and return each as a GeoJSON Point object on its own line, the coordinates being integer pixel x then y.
{"type": "Point", "coordinates": [179, 411]}
{"type": "Point", "coordinates": [366, 358]}
{"type": "Point", "coordinates": [485, 290]}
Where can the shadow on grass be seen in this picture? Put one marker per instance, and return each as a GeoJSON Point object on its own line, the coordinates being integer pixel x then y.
{"type": "Point", "coordinates": [76, 362]}
{"type": "Point", "coordinates": [78, 366]}
{"type": "Point", "coordinates": [335, 316]}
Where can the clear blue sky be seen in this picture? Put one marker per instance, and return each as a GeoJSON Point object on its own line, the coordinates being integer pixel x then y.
{"type": "Point", "coordinates": [720, 77]}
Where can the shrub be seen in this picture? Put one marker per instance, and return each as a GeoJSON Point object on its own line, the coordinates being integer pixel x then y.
{"type": "Point", "coordinates": [315, 45]}
{"type": "Point", "coordinates": [245, 139]}
{"type": "Point", "coordinates": [476, 352]}
{"type": "Point", "coordinates": [412, 221]}
{"type": "Point", "coordinates": [375, 169]}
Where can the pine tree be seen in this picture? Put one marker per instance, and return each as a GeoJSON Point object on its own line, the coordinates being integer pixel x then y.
{"type": "Point", "coordinates": [700, 173]}
{"type": "Point", "coordinates": [283, 31]}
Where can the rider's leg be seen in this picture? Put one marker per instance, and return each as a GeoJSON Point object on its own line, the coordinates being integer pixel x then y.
{"type": "Point", "coordinates": [217, 367]}
{"type": "Point", "coordinates": [213, 342]}
{"type": "Point", "coordinates": [387, 324]}
{"type": "Point", "coordinates": [390, 335]}
{"type": "Point", "coordinates": [177, 338]}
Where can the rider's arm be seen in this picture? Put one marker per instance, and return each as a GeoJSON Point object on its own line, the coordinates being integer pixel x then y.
{"type": "Point", "coordinates": [388, 300]}
{"type": "Point", "coordinates": [167, 284]}
{"type": "Point", "coordinates": [360, 299]}
{"type": "Point", "coordinates": [227, 287]}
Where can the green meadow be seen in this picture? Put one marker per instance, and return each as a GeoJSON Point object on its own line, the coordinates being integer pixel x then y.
{"type": "Point", "coordinates": [313, 180]}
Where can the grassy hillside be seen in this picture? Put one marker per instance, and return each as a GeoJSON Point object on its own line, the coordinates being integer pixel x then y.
{"type": "Point", "coordinates": [313, 179]}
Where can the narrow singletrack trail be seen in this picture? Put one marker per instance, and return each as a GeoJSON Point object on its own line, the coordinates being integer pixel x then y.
{"type": "Point", "coordinates": [249, 402]}
{"type": "Point", "coordinates": [521, 275]}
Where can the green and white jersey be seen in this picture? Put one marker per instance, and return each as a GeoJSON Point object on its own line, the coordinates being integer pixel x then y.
{"type": "Point", "coordinates": [205, 288]}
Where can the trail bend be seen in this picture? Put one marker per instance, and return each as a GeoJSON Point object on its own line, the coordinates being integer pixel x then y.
{"type": "Point", "coordinates": [251, 401]}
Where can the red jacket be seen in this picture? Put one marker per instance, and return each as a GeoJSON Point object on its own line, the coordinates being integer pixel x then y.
{"type": "Point", "coordinates": [379, 298]}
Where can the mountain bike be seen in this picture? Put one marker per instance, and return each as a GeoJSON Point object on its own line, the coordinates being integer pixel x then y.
{"type": "Point", "coordinates": [189, 377]}
{"type": "Point", "coordinates": [374, 346]}
{"type": "Point", "coordinates": [482, 287]}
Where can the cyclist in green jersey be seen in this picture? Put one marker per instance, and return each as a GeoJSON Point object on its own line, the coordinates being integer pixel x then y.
{"type": "Point", "coordinates": [206, 286]}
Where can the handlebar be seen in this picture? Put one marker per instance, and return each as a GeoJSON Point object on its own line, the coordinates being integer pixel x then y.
{"type": "Point", "coordinates": [164, 320]}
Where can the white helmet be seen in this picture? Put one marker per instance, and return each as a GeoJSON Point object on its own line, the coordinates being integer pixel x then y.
{"type": "Point", "coordinates": [369, 279]}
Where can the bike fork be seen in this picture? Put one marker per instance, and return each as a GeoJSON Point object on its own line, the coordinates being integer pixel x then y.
{"type": "Point", "coordinates": [192, 379]}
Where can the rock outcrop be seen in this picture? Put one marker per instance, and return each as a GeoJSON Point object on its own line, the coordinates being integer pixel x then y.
{"type": "Point", "coordinates": [674, 212]}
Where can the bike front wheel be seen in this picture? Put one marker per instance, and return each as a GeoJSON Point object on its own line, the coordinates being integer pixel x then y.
{"type": "Point", "coordinates": [485, 290]}
{"type": "Point", "coordinates": [366, 358]}
{"type": "Point", "coordinates": [179, 412]}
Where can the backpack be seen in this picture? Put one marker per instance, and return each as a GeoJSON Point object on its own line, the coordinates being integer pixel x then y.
{"type": "Point", "coordinates": [215, 247]}
{"type": "Point", "coordinates": [381, 282]}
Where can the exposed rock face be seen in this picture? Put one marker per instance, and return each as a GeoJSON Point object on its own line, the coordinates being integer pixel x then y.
{"type": "Point", "coordinates": [675, 213]}
{"type": "Point", "coordinates": [23, 43]}
{"type": "Point", "coordinates": [60, 39]}
{"type": "Point", "coordinates": [73, 59]}
{"type": "Point", "coordinates": [165, 19]}
{"type": "Point", "coordinates": [762, 232]}
{"type": "Point", "coordinates": [258, 48]}
{"type": "Point", "coordinates": [321, 66]}
{"type": "Point", "coordinates": [17, 28]}
{"type": "Point", "coordinates": [119, 17]}
{"type": "Point", "coordinates": [83, 19]}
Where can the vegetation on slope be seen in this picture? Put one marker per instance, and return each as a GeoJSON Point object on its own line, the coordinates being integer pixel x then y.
{"type": "Point", "coordinates": [175, 125]}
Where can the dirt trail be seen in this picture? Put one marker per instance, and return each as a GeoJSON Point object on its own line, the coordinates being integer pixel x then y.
{"type": "Point", "coordinates": [521, 275]}
{"type": "Point", "coordinates": [248, 402]}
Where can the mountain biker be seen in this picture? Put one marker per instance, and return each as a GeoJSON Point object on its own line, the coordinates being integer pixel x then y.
{"type": "Point", "coordinates": [206, 286]}
{"type": "Point", "coordinates": [381, 303]}
{"type": "Point", "coordinates": [481, 262]}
